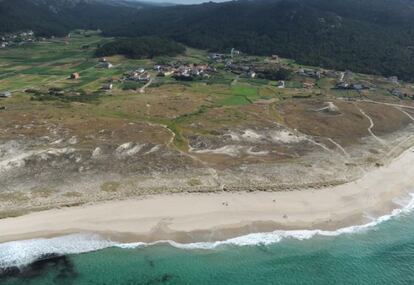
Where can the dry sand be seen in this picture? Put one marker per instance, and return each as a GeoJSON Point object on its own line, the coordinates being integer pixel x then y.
{"type": "Point", "coordinates": [206, 217]}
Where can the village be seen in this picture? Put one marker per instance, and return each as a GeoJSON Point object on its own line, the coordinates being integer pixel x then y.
{"type": "Point", "coordinates": [243, 66]}
{"type": "Point", "coordinates": [18, 39]}
{"type": "Point", "coordinates": [270, 68]}
{"type": "Point", "coordinates": [210, 68]}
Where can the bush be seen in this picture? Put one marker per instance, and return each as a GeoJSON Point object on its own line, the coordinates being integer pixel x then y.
{"type": "Point", "coordinates": [276, 74]}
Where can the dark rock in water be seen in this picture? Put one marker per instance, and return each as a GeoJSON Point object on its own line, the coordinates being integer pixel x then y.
{"type": "Point", "coordinates": [59, 263]}
{"type": "Point", "coordinates": [165, 278]}
{"type": "Point", "coordinates": [9, 272]}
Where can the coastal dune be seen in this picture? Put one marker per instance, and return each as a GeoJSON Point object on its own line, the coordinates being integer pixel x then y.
{"type": "Point", "coordinates": [210, 217]}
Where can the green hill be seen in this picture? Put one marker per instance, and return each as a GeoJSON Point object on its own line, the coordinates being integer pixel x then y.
{"type": "Point", "coordinates": [365, 36]}
{"type": "Point", "coordinates": [370, 36]}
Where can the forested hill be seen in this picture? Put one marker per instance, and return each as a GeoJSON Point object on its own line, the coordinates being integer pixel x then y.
{"type": "Point", "coordinates": [372, 36]}
{"type": "Point", "coordinates": [58, 17]}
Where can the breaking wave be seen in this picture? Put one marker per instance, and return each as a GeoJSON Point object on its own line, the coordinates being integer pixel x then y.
{"type": "Point", "coordinates": [21, 253]}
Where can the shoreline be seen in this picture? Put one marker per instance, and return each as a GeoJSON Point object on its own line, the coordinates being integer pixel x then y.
{"type": "Point", "coordinates": [187, 218]}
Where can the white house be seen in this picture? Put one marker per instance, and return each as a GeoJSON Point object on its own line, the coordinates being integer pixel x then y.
{"type": "Point", "coordinates": [5, 94]}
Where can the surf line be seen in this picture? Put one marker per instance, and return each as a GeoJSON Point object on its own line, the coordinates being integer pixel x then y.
{"type": "Point", "coordinates": [18, 254]}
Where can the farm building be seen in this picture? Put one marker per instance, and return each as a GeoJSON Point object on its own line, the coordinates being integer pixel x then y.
{"type": "Point", "coordinates": [5, 94]}
{"type": "Point", "coordinates": [75, 75]}
{"type": "Point", "coordinates": [106, 64]}
{"type": "Point", "coordinates": [107, 87]}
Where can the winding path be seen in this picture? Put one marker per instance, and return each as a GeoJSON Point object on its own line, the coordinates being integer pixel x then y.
{"type": "Point", "coordinates": [319, 144]}
{"type": "Point", "coordinates": [142, 90]}
{"type": "Point", "coordinates": [170, 144]}
{"type": "Point", "coordinates": [371, 126]}
{"type": "Point", "coordinates": [388, 104]}
{"type": "Point", "coordinates": [234, 82]}
{"type": "Point", "coordinates": [339, 147]}
{"type": "Point", "coordinates": [406, 113]}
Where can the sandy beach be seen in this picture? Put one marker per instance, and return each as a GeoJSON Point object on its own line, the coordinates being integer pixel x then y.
{"type": "Point", "coordinates": [207, 217]}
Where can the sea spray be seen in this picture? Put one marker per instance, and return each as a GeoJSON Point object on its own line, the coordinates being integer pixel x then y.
{"type": "Point", "coordinates": [277, 236]}
{"type": "Point", "coordinates": [21, 253]}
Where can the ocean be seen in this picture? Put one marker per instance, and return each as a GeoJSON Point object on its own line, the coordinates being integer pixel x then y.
{"type": "Point", "coordinates": [381, 252]}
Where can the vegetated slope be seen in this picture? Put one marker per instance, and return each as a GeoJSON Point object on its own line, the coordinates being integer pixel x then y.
{"type": "Point", "coordinates": [143, 47]}
{"type": "Point", "coordinates": [58, 17]}
{"type": "Point", "coordinates": [372, 36]}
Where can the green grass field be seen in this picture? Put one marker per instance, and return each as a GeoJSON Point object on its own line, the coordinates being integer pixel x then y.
{"type": "Point", "coordinates": [49, 64]}
{"type": "Point", "coordinates": [177, 104]}
{"type": "Point", "coordinates": [33, 65]}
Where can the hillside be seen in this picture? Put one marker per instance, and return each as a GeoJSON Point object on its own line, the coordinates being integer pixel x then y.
{"type": "Point", "coordinates": [58, 17]}
{"type": "Point", "coordinates": [144, 47]}
{"type": "Point", "coordinates": [366, 36]}
{"type": "Point", "coordinates": [371, 36]}
{"type": "Point", "coordinates": [76, 128]}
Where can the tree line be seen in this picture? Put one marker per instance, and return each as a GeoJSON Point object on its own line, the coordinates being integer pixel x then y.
{"type": "Point", "coordinates": [139, 48]}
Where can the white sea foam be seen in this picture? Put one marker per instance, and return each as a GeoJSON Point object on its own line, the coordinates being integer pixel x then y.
{"type": "Point", "coordinates": [20, 253]}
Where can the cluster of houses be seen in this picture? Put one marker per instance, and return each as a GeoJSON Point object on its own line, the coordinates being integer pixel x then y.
{"type": "Point", "coordinates": [244, 66]}
{"type": "Point", "coordinates": [351, 86]}
{"type": "Point", "coordinates": [222, 57]}
{"type": "Point", "coordinates": [240, 69]}
{"type": "Point", "coordinates": [218, 57]}
{"type": "Point", "coordinates": [345, 82]}
{"type": "Point", "coordinates": [164, 70]}
{"type": "Point", "coordinates": [342, 77]}
{"type": "Point", "coordinates": [192, 72]}
{"type": "Point", "coordinates": [309, 73]}
{"type": "Point", "coordinates": [185, 72]}
{"type": "Point", "coordinates": [393, 80]}
{"type": "Point", "coordinates": [139, 75]}
{"type": "Point", "coordinates": [401, 95]}
{"type": "Point", "coordinates": [345, 85]}
{"type": "Point", "coordinates": [251, 69]}
{"type": "Point", "coordinates": [240, 66]}
{"type": "Point", "coordinates": [19, 38]}
{"type": "Point", "coordinates": [268, 70]}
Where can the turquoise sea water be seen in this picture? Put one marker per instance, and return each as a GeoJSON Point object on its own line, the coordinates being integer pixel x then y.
{"type": "Point", "coordinates": [382, 254]}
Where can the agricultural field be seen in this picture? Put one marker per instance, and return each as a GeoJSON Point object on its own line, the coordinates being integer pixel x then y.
{"type": "Point", "coordinates": [227, 131]}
